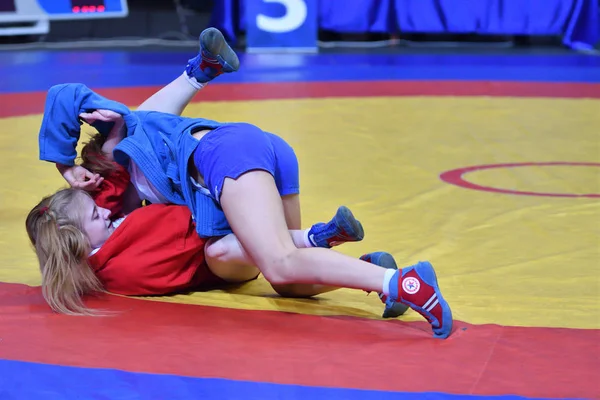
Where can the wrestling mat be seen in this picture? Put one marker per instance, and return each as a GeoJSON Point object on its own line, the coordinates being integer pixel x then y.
{"type": "Point", "coordinates": [496, 182]}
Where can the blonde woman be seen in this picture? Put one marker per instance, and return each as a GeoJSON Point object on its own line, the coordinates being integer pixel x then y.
{"type": "Point", "coordinates": [154, 251]}
{"type": "Point", "coordinates": [234, 178]}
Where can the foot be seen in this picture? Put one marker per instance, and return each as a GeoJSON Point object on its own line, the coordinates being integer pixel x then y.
{"type": "Point", "coordinates": [215, 57]}
{"type": "Point", "coordinates": [341, 229]}
{"type": "Point", "coordinates": [417, 287]}
{"type": "Point", "coordinates": [386, 260]}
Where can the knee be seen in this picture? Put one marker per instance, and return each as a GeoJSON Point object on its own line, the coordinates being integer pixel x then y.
{"type": "Point", "coordinates": [279, 270]}
{"type": "Point", "coordinates": [215, 249]}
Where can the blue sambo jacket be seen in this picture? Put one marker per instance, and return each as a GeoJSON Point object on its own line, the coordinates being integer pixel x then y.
{"type": "Point", "coordinates": [160, 144]}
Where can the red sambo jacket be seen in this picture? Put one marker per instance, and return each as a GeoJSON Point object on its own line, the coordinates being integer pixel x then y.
{"type": "Point", "coordinates": [154, 251]}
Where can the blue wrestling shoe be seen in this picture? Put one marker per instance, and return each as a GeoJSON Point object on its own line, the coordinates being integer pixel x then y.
{"type": "Point", "coordinates": [386, 260]}
{"type": "Point", "coordinates": [417, 287]}
{"type": "Point", "coordinates": [342, 228]}
{"type": "Point", "coordinates": [215, 57]}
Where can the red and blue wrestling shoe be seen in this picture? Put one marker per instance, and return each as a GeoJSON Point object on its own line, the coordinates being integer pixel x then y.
{"type": "Point", "coordinates": [417, 287]}
{"type": "Point", "coordinates": [215, 57]}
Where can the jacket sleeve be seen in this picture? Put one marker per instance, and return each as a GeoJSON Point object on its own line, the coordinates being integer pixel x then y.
{"type": "Point", "coordinates": [110, 194]}
{"type": "Point", "coordinates": [61, 125]}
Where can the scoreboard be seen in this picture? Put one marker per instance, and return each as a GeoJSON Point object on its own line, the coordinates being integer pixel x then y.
{"type": "Point", "coordinates": [18, 17]}
{"type": "Point", "coordinates": [83, 9]}
{"type": "Point", "coordinates": [62, 9]}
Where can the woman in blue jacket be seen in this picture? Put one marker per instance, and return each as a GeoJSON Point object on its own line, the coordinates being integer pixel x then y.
{"type": "Point", "coordinates": [234, 177]}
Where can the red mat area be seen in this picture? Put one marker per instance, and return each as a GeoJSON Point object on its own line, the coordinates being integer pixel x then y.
{"type": "Point", "coordinates": [189, 340]}
{"type": "Point", "coordinates": [15, 104]}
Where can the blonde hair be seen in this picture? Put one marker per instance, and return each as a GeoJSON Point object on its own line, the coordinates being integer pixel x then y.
{"type": "Point", "coordinates": [62, 248]}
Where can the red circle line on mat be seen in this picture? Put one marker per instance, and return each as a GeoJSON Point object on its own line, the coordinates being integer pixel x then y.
{"type": "Point", "coordinates": [456, 177]}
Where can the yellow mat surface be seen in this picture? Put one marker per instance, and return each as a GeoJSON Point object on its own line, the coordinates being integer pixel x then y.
{"type": "Point", "coordinates": [503, 259]}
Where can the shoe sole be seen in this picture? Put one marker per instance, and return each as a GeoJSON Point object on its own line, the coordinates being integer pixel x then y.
{"type": "Point", "coordinates": [346, 220]}
{"type": "Point", "coordinates": [214, 42]}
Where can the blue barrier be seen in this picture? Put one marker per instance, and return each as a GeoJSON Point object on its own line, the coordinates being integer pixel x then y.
{"type": "Point", "coordinates": [575, 20]}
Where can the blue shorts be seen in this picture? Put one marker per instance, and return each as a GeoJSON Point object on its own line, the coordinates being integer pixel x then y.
{"type": "Point", "coordinates": [231, 150]}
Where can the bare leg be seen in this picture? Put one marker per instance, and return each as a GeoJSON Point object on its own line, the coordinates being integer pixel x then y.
{"type": "Point", "coordinates": [291, 207]}
{"type": "Point", "coordinates": [293, 218]}
{"type": "Point", "coordinates": [171, 99]}
{"type": "Point", "coordinates": [255, 212]}
{"type": "Point", "coordinates": [228, 260]}
{"type": "Point", "coordinates": [215, 58]}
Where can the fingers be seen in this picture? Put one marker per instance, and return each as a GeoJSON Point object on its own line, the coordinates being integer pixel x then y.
{"type": "Point", "coordinates": [88, 174]}
{"type": "Point", "coordinates": [100, 115]}
{"type": "Point", "coordinates": [89, 117]}
{"type": "Point", "coordinates": [88, 180]}
{"type": "Point", "coordinates": [88, 185]}
{"type": "Point", "coordinates": [109, 115]}
{"type": "Point", "coordinates": [80, 178]}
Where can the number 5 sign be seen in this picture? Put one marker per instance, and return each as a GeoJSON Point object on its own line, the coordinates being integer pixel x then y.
{"type": "Point", "coordinates": [281, 25]}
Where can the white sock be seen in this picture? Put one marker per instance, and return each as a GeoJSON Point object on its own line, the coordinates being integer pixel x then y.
{"type": "Point", "coordinates": [387, 278]}
{"type": "Point", "coordinates": [192, 81]}
{"type": "Point", "coordinates": [307, 241]}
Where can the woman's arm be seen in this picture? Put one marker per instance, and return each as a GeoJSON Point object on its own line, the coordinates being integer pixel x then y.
{"type": "Point", "coordinates": [61, 124]}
